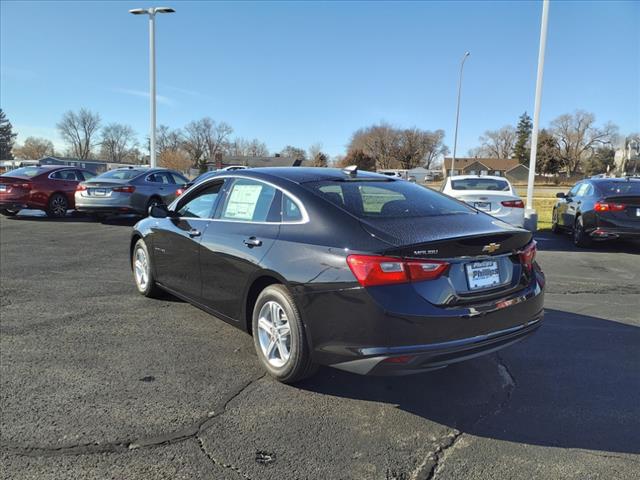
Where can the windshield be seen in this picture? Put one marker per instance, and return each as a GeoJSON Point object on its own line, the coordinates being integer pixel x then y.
{"type": "Point", "coordinates": [387, 199]}
{"type": "Point", "coordinates": [620, 187]}
{"type": "Point", "coordinates": [480, 184]}
{"type": "Point", "coordinates": [127, 174]}
{"type": "Point", "coordinates": [25, 172]}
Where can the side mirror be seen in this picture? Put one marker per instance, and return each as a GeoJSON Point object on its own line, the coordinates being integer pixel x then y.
{"type": "Point", "coordinates": [159, 211]}
{"type": "Point", "coordinates": [561, 195]}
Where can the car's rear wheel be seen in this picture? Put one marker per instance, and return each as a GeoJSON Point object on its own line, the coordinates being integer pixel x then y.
{"type": "Point", "coordinates": [279, 337]}
{"type": "Point", "coordinates": [555, 228]}
{"type": "Point", "coordinates": [143, 271]}
{"type": "Point", "coordinates": [57, 206]}
{"type": "Point", "coordinates": [580, 237]}
{"type": "Point", "coordinates": [9, 213]}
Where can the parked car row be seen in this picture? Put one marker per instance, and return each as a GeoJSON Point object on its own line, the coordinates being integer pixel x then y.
{"type": "Point", "coordinates": [56, 190]}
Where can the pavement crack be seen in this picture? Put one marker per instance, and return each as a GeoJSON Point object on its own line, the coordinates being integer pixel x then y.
{"type": "Point", "coordinates": [120, 446]}
{"type": "Point", "coordinates": [217, 462]}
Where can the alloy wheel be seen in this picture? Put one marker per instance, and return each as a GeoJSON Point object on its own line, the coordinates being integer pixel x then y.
{"type": "Point", "coordinates": [274, 334]}
{"type": "Point", "coordinates": [59, 206]}
{"type": "Point", "coordinates": [141, 269]}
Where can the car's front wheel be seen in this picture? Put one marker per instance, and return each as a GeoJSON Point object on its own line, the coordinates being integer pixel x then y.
{"type": "Point", "coordinates": [279, 336]}
{"type": "Point", "coordinates": [143, 271]}
{"type": "Point", "coordinates": [555, 228]}
{"type": "Point", "coordinates": [580, 237]}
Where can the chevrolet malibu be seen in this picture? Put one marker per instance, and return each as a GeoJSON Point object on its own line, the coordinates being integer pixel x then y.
{"type": "Point", "coordinates": [128, 190]}
{"type": "Point", "coordinates": [354, 270]}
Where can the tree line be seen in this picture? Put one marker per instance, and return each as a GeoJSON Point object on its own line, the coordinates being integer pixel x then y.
{"type": "Point", "coordinates": [571, 143]}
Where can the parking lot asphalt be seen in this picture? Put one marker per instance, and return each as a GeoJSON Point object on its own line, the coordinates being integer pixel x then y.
{"type": "Point", "coordinates": [100, 382]}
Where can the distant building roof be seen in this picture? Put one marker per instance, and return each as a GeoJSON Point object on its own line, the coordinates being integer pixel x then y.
{"type": "Point", "coordinates": [276, 161]}
{"type": "Point", "coordinates": [502, 164]}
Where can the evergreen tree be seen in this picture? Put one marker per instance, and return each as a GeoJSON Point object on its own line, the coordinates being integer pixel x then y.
{"type": "Point", "coordinates": [523, 134]}
{"type": "Point", "coordinates": [7, 137]}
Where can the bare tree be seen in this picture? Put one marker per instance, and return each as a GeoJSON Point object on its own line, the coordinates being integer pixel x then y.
{"type": "Point", "coordinates": [294, 152]}
{"type": "Point", "coordinates": [577, 137]}
{"type": "Point", "coordinates": [34, 148]}
{"type": "Point", "coordinates": [435, 148]}
{"type": "Point", "coordinates": [496, 143]}
{"type": "Point", "coordinates": [117, 142]}
{"type": "Point", "coordinates": [168, 140]}
{"type": "Point", "coordinates": [248, 148]}
{"type": "Point", "coordinates": [175, 159]}
{"type": "Point", "coordinates": [320, 160]}
{"type": "Point", "coordinates": [379, 142]}
{"type": "Point", "coordinates": [358, 158]}
{"type": "Point", "coordinates": [204, 139]}
{"type": "Point", "coordinates": [78, 130]}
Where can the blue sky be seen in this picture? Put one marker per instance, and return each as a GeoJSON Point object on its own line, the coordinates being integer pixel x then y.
{"type": "Point", "coordinates": [302, 72]}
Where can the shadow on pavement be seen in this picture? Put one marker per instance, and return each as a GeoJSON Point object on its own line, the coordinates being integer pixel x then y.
{"type": "Point", "coordinates": [75, 217]}
{"type": "Point", "coordinates": [562, 242]}
{"type": "Point", "coordinates": [576, 384]}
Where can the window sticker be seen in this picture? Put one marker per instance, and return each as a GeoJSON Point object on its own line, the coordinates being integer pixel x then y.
{"type": "Point", "coordinates": [242, 202]}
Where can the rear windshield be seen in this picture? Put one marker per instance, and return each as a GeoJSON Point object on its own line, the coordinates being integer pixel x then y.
{"type": "Point", "coordinates": [120, 174]}
{"type": "Point", "coordinates": [619, 188]}
{"type": "Point", "coordinates": [480, 184]}
{"type": "Point", "coordinates": [387, 199]}
{"type": "Point", "coordinates": [25, 172]}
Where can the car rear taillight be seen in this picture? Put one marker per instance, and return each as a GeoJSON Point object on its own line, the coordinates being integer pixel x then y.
{"type": "Point", "coordinates": [81, 188]}
{"type": "Point", "coordinates": [528, 255]}
{"type": "Point", "coordinates": [609, 207]}
{"type": "Point", "coordinates": [513, 203]}
{"type": "Point", "coordinates": [371, 270]}
{"type": "Point", "coordinates": [127, 189]}
{"type": "Point", "coordinates": [23, 186]}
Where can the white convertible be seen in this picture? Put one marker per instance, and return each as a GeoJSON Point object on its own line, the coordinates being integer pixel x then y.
{"type": "Point", "coordinates": [493, 195]}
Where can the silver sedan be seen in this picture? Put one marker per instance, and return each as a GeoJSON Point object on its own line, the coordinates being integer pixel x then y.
{"type": "Point", "coordinates": [128, 190]}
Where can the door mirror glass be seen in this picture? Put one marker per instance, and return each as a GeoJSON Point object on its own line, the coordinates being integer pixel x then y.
{"type": "Point", "coordinates": [561, 195]}
{"type": "Point", "coordinates": [159, 211]}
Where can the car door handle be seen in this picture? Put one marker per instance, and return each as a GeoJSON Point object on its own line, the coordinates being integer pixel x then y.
{"type": "Point", "coordinates": [252, 242]}
{"type": "Point", "coordinates": [194, 233]}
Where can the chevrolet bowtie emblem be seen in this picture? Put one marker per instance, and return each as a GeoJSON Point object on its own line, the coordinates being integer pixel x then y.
{"type": "Point", "coordinates": [492, 247]}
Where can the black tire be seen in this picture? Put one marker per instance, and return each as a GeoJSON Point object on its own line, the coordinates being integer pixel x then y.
{"type": "Point", "coordinates": [57, 206]}
{"type": "Point", "coordinates": [149, 288]}
{"type": "Point", "coordinates": [152, 201]}
{"type": "Point", "coordinates": [555, 228]}
{"type": "Point", "coordinates": [299, 364]}
{"type": "Point", "coordinates": [8, 213]}
{"type": "Point", "coordinates": [580, 238]}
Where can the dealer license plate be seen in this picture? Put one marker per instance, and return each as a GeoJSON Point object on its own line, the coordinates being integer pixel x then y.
{"type": "Point", "coordinates": [483, 274]}
{"type": "Point", "coordinates": [485, 206]}
{"type": "Point", "coordinates": [100, 191]}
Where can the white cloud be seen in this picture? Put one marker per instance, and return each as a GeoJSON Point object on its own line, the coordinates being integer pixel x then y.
{"type": "Point", "coordinates": [140, 93]}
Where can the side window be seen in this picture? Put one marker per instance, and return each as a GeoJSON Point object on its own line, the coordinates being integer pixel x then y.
{"type": "Point", "coordinates": [574, 191]}
{"type": "Point", "coordinates": [376, 199]}
{"type": "Point", "coordinates": [201, 204]}
{"type": "Point", "coordinates": [290, 210]}
{"type": "Point", "coordinates": [88, 175]}
{"type": "Point", "coordinates": [249, 200]}
{"type": "Point", "coordinates": [179, 179]}
{"type": "Point", "coordinates": [582, 191]}
{"type": "Point", "coordinates": [56, 175]}
{"type": "Point", "coordinates": [333, 193]}
{"type": "Point", "coordinates": [160, 177]}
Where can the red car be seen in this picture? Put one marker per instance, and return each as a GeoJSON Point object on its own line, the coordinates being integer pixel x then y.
{"type": "Point", "coordinates": [48, 188]}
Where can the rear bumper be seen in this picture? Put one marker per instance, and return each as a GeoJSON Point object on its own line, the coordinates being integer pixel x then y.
{"type": "Point", "coordinates": [421, 358]}
{"type": "Point", "coordinates": [111, 210]}
{"type": "Point", "coordinates": [607, 233]}
{"type": "Point", "coordinates": [351, 330]}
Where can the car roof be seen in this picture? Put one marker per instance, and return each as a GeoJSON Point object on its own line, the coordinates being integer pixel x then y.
{"type": "Point", "coordinates": [614, 179]}
{"type": "Point", "coordinates": [303, 174]}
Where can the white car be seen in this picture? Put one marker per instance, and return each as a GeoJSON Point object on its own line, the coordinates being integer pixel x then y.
{"type": "Point", "coordinates": [493, 195]}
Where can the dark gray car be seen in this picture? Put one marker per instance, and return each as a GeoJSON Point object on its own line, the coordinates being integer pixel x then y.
{"type": "Point", "coordinates": [128, 190]}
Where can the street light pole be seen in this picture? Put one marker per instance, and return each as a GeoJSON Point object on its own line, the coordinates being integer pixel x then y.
{"type": "Point", "coordinates": [531, 217]}
{"type": "Point", "coordinates": [455, 135]}
{"type": "Point", "coordinates": [152, 90]}
{"type": "Point", "coordinates": [152, 74]}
